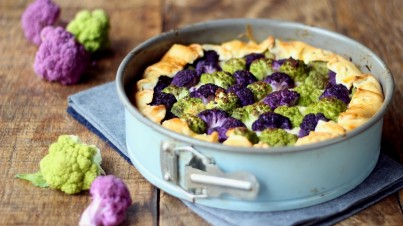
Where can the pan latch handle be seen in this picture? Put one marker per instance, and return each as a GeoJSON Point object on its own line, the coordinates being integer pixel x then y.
{"type": "Point", "coordinates": [199, 177]}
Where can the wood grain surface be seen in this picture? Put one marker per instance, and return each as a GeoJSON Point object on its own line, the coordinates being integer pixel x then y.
{"type": "Point", "coordinates": [33, 111]}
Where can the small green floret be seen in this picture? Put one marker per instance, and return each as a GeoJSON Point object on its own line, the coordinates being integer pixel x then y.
{"type": "Point", "coordinates": [188, 105]}
{"type": "Point", "coordinates": [178, 92]}
{"type": "Point", "coordinates": [296, 69]}
{"type": "Point", "coordinates": [318, 75]}
{"type": "Point", "coordinates": [292, 113]}
{"type": "Point", "coordinates": [224, 101]}
{"type": "Point", "coordinates": [91, 29]}
{"type": "Point", "coordinates": [219, 78]}
{"type": "Point", "coordinates": [330, 107]}
{"type": "Point", "coordinates": [259, 89]}
{"type": "Point", "coordinates": [248, 134]}
{"type": "Point", "coordinates": [70, 166]}
{"type": "Point", "coordinates": [308, 94]}
{"type": "Point", "coordinates": [261, 68]}
{"type": "Point", "coordinates": [195, 123]}
{"type": "Point", "coordinates": [277, 137]}
{"type": "Point", "coordinates": [233, 65]}
{"type": "Point", "coordinates": [250, 113]}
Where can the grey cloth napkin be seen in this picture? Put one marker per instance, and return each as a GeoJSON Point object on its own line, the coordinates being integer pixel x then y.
{"type": "Point", "coordinates": [94, 108]}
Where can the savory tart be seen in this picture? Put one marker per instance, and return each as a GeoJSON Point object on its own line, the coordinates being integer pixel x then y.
{"type": "Point", "coordinates": [267, 94]}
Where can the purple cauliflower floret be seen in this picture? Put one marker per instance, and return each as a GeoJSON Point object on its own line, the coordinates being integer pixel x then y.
{"type": "Point", "coordinates": [338, 91]}
{"type": "Point", "coordinates": [309, 123]}
{"type": "Point", "coordinates": [38, 15]}
{"type": "Point", "coordinates": [244, 94]}
{"type": "Point", "coordinates": [185, 78]}
{"type": "Point", "coordinates": [277, 63]}
{"type": "Point", "coordinates": [206, 92]}
{"type": "Point", "coordinates": [59, 57]}
{"type": "Point", "coordinates": [163, 82]}
{"type": "Point", "coordinates": [229, 123]}
{"type": "Point", "coordinates": [251, 57]}
{"type": "Point", "coordinates": [110, 200]}
{"type": "Point", "coordinates": [208, 63]}
{"type": "Point", "coordinates": [244, 77]}
{"type": "Point", "coordinates": [161, 98]}
{"type": "Point", "coordinates": [279, 81]}
{"type": "Point", "coordinates": [332, 77]}
{"type": "Point", "coordinates": [271, 120]}
{"type": "Point", "coordinates": [281, 97]}
{"type": "Point", "coordinates": [213, 117]}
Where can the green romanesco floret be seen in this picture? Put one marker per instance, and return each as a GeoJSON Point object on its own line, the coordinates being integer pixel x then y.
{"type": "Point", "coordinates": [70, 166]}
{"type": "Point", "coordinates": [219, 78]}
{"type": "Point", "coordinates": [330, 107]}
{"type": "Point", "coordinates": [318, 75]}
{"type": "Point", "coordinates": [195, 123]}
{"type": "Point", "coordinates": [245, 132]}
{"type": "Point", "coordinates": [261, 68]}
{"type": "Point", "coordinates": [178, 92]}
{"type": "Point", "coordinates": [250, 113]}
{"type": "Point", "coordinates": [292, 113]}
{"type": "Point", "coordinates": [91, 29]}
{"type": "Point", "coordinates": [296, 69]}
{"type": "Point", "coordinates": [233, 65]}
{"type": "Point", "coordinates": [224, 101]}
{"type": "Point", "coordinates": [259, 89]}
{"type": "Point", "coordinates": [188, 105]}
{"type": "Point", "coordinates": [308, 94]}
{"type": "Point", "coordinates": [277, 137]}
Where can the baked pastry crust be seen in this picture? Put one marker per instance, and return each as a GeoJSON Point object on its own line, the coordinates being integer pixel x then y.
{"type": "Point", "coordinates": [364, 104]}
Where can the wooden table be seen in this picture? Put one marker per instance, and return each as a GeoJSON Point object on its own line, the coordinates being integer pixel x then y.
{"type": "Point", "coordinates": [33, 112]}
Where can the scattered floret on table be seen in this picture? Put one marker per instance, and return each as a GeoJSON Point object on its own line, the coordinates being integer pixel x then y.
{"type": "Point", "coordinates": [279, 81]}
{"type": "Point", "coordinates": [281, 98]}
{"type": "Point", "coordinates": [292, 113]}
{"type": "Point", "coordinates": [259, 89]}
{"type": "Point", "coordinates": [310, 122]}
{"type": "Point", "coordinates": [330, 107]}
{"type": "Point", "coordinates": [233, 65]}
{"type": "Point", "coordinates": [338, 91]}
{"type": "Point", "coordinates": [70, 166]}
{"type": "Point", "coordinates": [296, 69]}
{"type": "Point", "coordinates": [38, 15]}
{"type": "Point", "coordinates": [110, 201]}
{"type": "Point", "coordinates": [271, 120]}
{"type": "Point", "coordinates": [261, 68]}
{"type": "Point", "coordinates": [185, 78]}
{"type": "Point", "coordinates": [250, 113]}
{"type": "Point", "coordinates": [188, 105]}
{"type": "Point", "coordinates": [219, 78]}
{"type": "Point", "coordinates": [308, 94]}
{"type": "Point", "coordinates": [91, 29]}
{"type": "Point", "coordinates": [277, 137]}
{"type": "Point", "coordinates": [60, 58]}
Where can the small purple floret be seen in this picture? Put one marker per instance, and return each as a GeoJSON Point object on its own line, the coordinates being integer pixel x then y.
{"type": "Point", "coordinates": [185, 78]}
{"type": "Point", "coordinates": [271, 120]}
{"type": "Point", "coordinates": [281, 97]}
{"type": "Point", "coordinates": [206, 92]}
{"type": "Point", "coordinates": [252, 57]}
{"type": "Point", "coordinates": [277, 63]}
{"type": "Point", "coordinates": [332, 77]}
{"type": "Point", "coordinates": [279, 81]}
{"type": "Point", "coordinates": [244, 77]}
{"type": "Point", "coordinates": [163, 82]}
{"type": "Point", "coordinates": [338, 91]}
{"type": "Point", "coordinates": [208, 63]}
{"type": "Point", "coordinates": [161, 98]}
{"type": "Point", "coordinates": [38, 15]}
{"type": "Point", "coordinates": [310, 122]}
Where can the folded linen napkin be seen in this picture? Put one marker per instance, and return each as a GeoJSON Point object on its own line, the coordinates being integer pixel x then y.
{"type": "Point", "coordinates": [94, 107]}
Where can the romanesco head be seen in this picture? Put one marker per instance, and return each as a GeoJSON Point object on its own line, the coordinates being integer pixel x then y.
{"type": "Point", "coordinates": [308, 94]}
{"type": "Point", "coordinates": [178, 92]}
{"type": "Point", "coordinates": [261, 68]}
{"type": "Point", "coordinates": [224, 101]}
{"type": "Point", "coordinates": [292, 113]}
{"type": "Point", "coordinates": [91, 29]}
{"type": "Point", "coordinates": [245, 132]}
{"type": "Point", "coordinates": [233, 65]}
{"type": "Point", "coordinates": [195, 123]}
{"type": "Point", "coordinates": [296, 69]}
{"type": "Point", "coordinates": [188, 105]}
{"type": "Point", "coordinates": [219, 78]}
{"type": "Point", "coordinates": [277, 137]}
{"type": "Point", "coordinates": [318, 75]}
{"type": "Point", "coordinates": [330, 107]}
{"type": "Point", "coordinates": [259, 89]}
{"type": "Point", "coordinates": [71, 165]}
